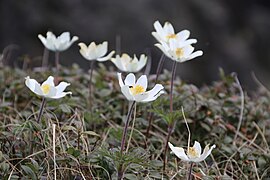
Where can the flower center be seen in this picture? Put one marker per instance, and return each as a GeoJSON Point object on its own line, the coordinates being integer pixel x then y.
{"type": "Point", "coordinates": [137, 89]}
{"type": "Point", "coordinates": [192, 153]}
{"type": "Point", "coordinates": [45, 88]}
{"type": "Point", "coordinates": [179, 52]}
{"type": "Point", "coordinates": [171, 36]}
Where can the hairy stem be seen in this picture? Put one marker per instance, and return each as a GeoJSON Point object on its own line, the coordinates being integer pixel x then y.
{"type": "Point", "coordinates": [171, 125]}
{"type": "Point", "coordinates": [41, 109]}
{"type": "Point", "coordinates": [132, 128]}
{"type": "Point", "coordinates": [189, 177]}
{"type": "Point", "coordinates": [57, 61]}
{"type": "Point", "coordinates": [120, 169]}
{"type": "Point", "coordinates": [92, 63]}
{"type": "Point", "coordinates": [45, 59]}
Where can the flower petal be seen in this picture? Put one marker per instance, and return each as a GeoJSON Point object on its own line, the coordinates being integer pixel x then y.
{"type": "Point", "coordinates": [205, 154]}
{"type": "Point", "coordinates": [179, 152]}
{"type": "Point", "coordinates": [49, 81]}
{"type": "Point", "coordinates": [33, 85]}
{"type": "Point", "coordinates": [141, 97]}
{"type": "Point", "coordinates": [130, 79]}
{"type": "Point", "coordinates": [109, 56]}
{"type": "Point", "coordinates": [61, 87]}
{"type": "Point", "coordinates": [183, 35]}
{"type": "Point", "coordinates": [142, 81]}
{"type": "Point", "coordinates": [120, 80]}
{"type": "Point", "coordinates": [126, 91]}
{"type": "Point", "coordinates": [58, 96]}
{"type": "Point", "coordinates": [197, 147]}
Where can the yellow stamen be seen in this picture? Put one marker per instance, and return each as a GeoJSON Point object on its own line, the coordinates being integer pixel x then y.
{"type": "Point", "coordinates": [192, 152]}
{"type": "Point", "coordinates": [45, 88]}
{"type": "Point", "coordinates": [171, 36]}
{"type": "Point", "coordinates": [179, 52]}
{"type": "Point", "coordinates": [137, 89]}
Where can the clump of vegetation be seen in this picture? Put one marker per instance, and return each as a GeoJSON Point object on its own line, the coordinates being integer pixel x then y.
{"type": "Point", "coordinates": [87, 140]}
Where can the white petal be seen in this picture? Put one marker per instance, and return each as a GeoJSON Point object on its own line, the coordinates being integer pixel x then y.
{"type": "Point", "coordinates": [130, 79]}
{"type": "Point", "coordinates": [120, 80]}
{"type": "Point", "coordinates": [109, 56]}
{"type": "Point", "coordinates": [49, 81]}
{"type": "Point", "coordinates": [61, 87]}
{"type": "Point", "coordinates": [33, 85]}
{"type": "Point", "coordinates": [183, 35]}
{"type": "Point", "coordinates": [52, 92]}
{"type": "Point", "coordinates": [157, 88]}
{"type": "Point", "coordinates": [142, 81]}
{"type": "Point", "coordinates": [205, 154]}
{"type": "Point", "coordinates": [168, 28]}
{"type": "Point", "coordinates": [102, 49]}
{"type": "Point", "coordinates": [57, 96]}
{"type": "Point", "coordinates": [179, 152]}
{"type": "Point", "coordinates": [118, 63]}
{"type": "Point", "coordinates": [126, 91]}
{"type": "Point", "coordinates": [141, 97]}
{"type": "Point", "coordinates": [197, 147]}
{"type": "Point", "coordinates": [195, 54]}
{"type": "Point", "coordinates": [64, 37]}
{"type": "Point", "coordinates": [142, 62]}
{"type": "Point", "coordinates": [152, 98]}
{"type": "Point", "coordinates": [158, 28]}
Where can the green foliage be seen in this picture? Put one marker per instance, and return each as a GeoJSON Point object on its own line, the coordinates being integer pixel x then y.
{"type": "Point", "coordinates": [88, 140]}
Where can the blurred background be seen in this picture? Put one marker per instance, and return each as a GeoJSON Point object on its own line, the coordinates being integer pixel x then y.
{"type": "Point", "coordinates": [233, 35]}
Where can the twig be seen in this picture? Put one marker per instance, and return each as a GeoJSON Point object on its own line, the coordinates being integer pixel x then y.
{"type": "Point", "coordinates": [54, 153]}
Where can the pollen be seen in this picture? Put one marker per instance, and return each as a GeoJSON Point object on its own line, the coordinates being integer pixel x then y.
{"type": "Point", "coordinates": [171, 36]}
{"type": "Point", "coordinates": [45, 88]}
{"type": "Point", "coordinates": [192, 152]}
{"type": "Point", "coordinates": [179, 52]}
{"type": "Point", "coordinates": [137, 89]}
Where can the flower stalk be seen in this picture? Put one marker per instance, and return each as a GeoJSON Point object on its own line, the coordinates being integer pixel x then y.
{"type": "Point", "coordinates": [92, 63]}
{"type": "Point", "coordinates": [171, 124]}
{"type": "Point", "coordinates": [189, 176]}
{"type": "Point", "coordinates": [57, 61]}
{"type": "Point", "coordinates": [41, 109]}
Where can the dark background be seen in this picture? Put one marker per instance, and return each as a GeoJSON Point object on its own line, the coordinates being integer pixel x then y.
{"type": "Point", "coordinates": [233, 34]}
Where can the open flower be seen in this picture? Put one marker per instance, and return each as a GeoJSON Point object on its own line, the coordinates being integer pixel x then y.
{"type": "Point", "coordinates": [166, 33]}
{"type": "Point", "coordinates": [179, 51]}
{"type": "Point", "coordinates": [47, 89]}
{"type": "Point", "coordinates": [127, 64]}
{"type": "Point", "coordinates": [193, 153]}
{"type": "Point", "coordinates": [60, 43]}
{"type": "Point", "coordinates": [95, 52]}
{"type": "Point", "coordinates": [136, 91]}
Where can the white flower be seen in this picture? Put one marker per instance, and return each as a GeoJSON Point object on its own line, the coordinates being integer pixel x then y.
{"type": "Point", "coordinates": [193, 153]}
{"type": "Point", "coordinates": [136, 91]}
{"type": "Point", "coordinates": [47, 89]}
{"type": "Point", "coordinates": [127, 64]}
{"type": "Point", "coordinates": [60, 43]}
{"type": "Point", "coordinates": [95, 52]}
{"type": "Point", "coordinates": [166, 33]}
{"type": "Point", "coordinates": [179, 51]}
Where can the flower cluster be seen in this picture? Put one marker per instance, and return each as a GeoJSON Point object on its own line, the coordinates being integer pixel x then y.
{"type": "Point", "coordinates": [176, 46]}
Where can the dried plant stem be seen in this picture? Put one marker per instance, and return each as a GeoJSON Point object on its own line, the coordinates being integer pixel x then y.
{"type": "Point", "coordinates": [92, 63]}
{"type": "Point", "coordinates": [41, 109]}
{"type": "Point", "coordinates": [45, 59]}
{"type": "Point", "coordinates": [189, 134]}
{"type": "Point", "coordinates": [189, 176]}
{"type": "Point", "coordinates": [57, 61]}
{"type": "Point", "coordinates": [54, 153]}
{"type": "Point", "coordinates": [242, 109]}
{"type": "Point", "coordinates": [132, 128]}
{"type": "Point", "coordinates": [120, 169]}
{"type": "Point", "coordinates": [171, 124]}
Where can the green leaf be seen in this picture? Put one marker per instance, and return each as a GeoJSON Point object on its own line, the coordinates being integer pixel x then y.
{"type": "Point", "coordinates": [29, 171]}
{"type": "Point", "coordinates": [91, 133]}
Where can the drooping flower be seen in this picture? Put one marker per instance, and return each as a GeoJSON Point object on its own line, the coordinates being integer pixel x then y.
{"type": "Point", "coordinates": [194, 154]}
{"type": "Point", "coordinates": [136, 90]}
{"type": "Point", "coordinates": [178, 51]}
{"type": "Point", "coordinates": [127, 64]}
{"type": "Point", "coordinates": [47, 89]}
{"type": "Point", "coordinates": [95, 52]}
{"type": "Point", "coordinates": [57, 44]}
{"type": "Point", "coordinates": [167, 33]}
